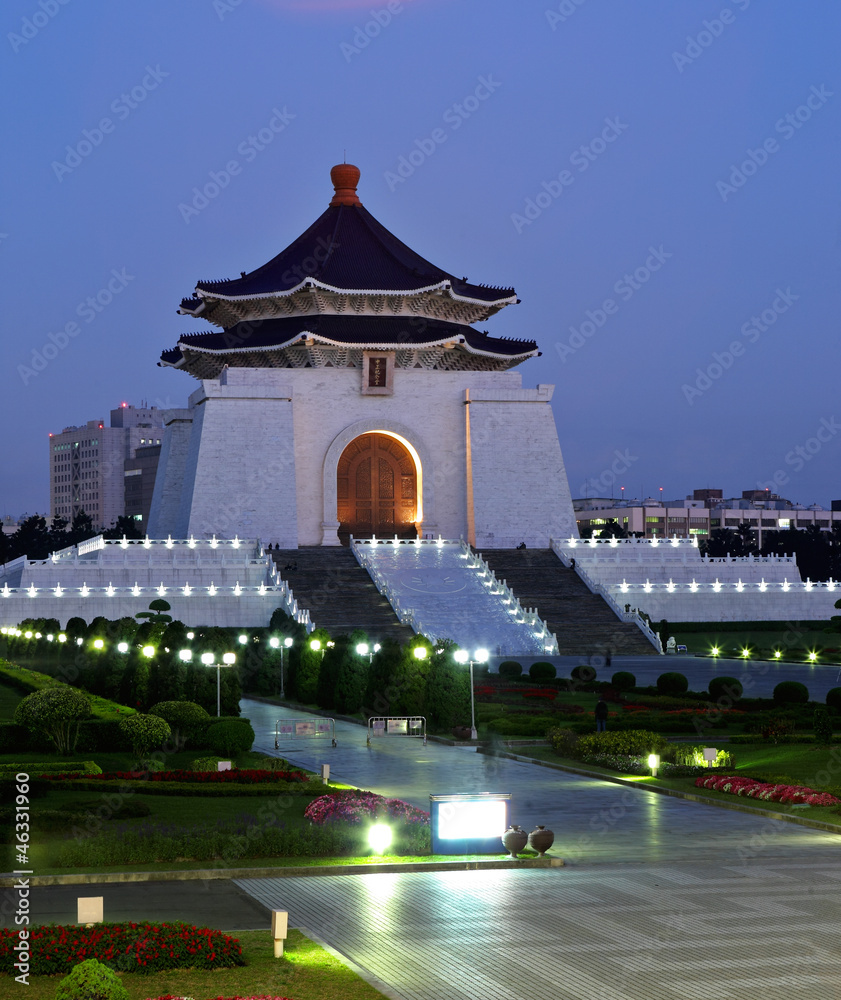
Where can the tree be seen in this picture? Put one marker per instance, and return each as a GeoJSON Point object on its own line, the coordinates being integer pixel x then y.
{"type": "Point", "coordinates": [124, 527]}
{"type": "Point", "coordinates": [157, 612]}
{"type": "Point", "coordinates": [305, 679]}
{"type": "Point", "coordinates": [32, 539]}
{"type": "Point", "coordinates": [55, 712]}
{"type": "Point", "coordinates": [448, 691]}
{"type": "Point", "coordinates": [352, 676]}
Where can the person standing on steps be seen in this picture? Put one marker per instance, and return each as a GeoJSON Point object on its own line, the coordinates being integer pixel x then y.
{"type": "Point", "coordinates": [601, 715]}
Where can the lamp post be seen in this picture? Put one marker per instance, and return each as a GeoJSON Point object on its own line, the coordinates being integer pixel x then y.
{"type": "Point", "coordinates": [480, 656]}
{"type": "Point", "coordinates": [363, 649]}
{"type": "Point", "coordinates": [275, 643]}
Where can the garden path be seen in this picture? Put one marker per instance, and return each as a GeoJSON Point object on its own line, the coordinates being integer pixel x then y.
{"type": "Point", "coordinates": [662, 898]}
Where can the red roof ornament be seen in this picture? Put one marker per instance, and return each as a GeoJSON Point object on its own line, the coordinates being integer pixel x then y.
{"type": "Point", "coordinates": [345, 177]}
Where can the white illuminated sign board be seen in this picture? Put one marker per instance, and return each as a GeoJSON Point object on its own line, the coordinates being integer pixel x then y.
{"type": "Point", "coordinates": [469, 820]}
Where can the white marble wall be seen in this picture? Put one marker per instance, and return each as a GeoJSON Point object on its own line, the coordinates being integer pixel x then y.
{"type": "Point", "coordinates": [265, 444]}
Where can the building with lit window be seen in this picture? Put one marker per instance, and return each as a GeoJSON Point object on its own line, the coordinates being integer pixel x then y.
{"type": "Point", "coordinates": [88, 463]}
{"type": "Point", "coordinates": [704, 512]}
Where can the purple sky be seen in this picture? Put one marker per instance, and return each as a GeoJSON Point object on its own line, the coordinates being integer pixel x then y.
{"type": "Point", "coordinates": [577, 143]}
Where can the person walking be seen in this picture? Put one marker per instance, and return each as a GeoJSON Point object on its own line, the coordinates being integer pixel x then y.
{"type": "Point", "coordinates": [601, 715]}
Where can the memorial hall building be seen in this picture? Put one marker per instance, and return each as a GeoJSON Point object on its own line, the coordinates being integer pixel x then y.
{"type": "Point", "coordinates": [345, 388]}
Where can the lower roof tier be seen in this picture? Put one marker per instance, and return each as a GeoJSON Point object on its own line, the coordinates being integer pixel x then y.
{"type": "Point", "coordinates": [338, 341]}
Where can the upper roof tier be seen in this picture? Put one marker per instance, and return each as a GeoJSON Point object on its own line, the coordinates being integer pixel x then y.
{"type": "Point", "coordinates": [345, 251]}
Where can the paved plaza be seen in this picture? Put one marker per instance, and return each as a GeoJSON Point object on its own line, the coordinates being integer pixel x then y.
{"type": "Point", "coordinates": [660, 898]}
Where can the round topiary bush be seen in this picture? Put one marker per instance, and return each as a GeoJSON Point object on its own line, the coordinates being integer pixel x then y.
{"type": "Point", "coordinates": [55, 712]}
{"type": "Point", "coordinates": [145, 733]}
{"type": "Point", "coordinates": [542, 671]}
{"type": "Point", "coordinates": [230, 738]}
{"type": "Point", "coordinates": [833, 699]}
{"type": "Point", "coordinates": [91, 980]}
{"type": "Point", "coordinates": [583, 673]}
{"type": "Point", "coordinates": [791, 693]}
{"type": "Point", "coordinates": [672, 683]}
{"type": "Point", "coordinates": [725, 687]}
{"type": "Point", "coordinates": [510, 668]}
{"type": "Point", "coordinates": [623, 680]}
{"type": "Point", "coordinates": [185, 718]}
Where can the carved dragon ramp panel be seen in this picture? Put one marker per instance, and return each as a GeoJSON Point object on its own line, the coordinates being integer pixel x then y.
{"type": "Point", "coordinates": [376, 489]}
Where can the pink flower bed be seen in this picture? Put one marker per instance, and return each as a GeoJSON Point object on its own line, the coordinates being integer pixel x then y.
{"type": "Point", "coordinates": [356, 807]}
{"type": "Point", "coordinates": [262, 996]}
{"type": "Point", "coordinates": [749, 788]}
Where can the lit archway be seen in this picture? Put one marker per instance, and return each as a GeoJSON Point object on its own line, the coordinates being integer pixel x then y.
{"type": "Point", "coordinates": [404, 454]}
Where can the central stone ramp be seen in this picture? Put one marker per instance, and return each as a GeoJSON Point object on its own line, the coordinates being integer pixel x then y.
{"type": "Point", "coordinates": [447, 592]}
{"type": "Point", "coordinates": [582, 621]}
{"type": "Point", "coordinates": [338, 593]}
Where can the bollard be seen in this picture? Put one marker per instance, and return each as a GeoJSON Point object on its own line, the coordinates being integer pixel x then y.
{"type": "Point", "coordinates": [325, 773]}
{"type": "Point", "coordinates": [280, 921]}
{"type": "Point", "coordinates": [89, 910]}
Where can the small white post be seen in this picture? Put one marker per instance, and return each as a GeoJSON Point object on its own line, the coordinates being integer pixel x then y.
{"type": "Point", "coordinates": [325, 773]}
{"type": "Point", "coordinates": [89, 910]}
{"type": "Point", "coordinates": [280, 921]}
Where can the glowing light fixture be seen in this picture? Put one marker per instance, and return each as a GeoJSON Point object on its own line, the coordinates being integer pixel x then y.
{"type": "Point", "coordinates": [122, 647]}
{"type": "Point", "coordinates": [379, 837]}
{"type": "Point", "coordinates": [148, 651]}
{"type": "Point", "coordinates": [98, 644]}
{"type": "Point", "coordinates": [185, 655]}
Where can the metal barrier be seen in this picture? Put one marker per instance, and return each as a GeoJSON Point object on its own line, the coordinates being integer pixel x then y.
{"type": "Point", "coordinates": [397, 725]}
{"type": "Point", "coordinates": [304, 729]}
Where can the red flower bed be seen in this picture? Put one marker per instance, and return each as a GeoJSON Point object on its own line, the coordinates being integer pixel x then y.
{"type": "Point", "coordinates": [484, 691]}
{"type": "Point", "coordinates": [247, 776]}
{"type": "Point", "coordinates": [127, 947]}
{"type": "Point", "coordinates": [547, 693]}
{"type": "Point", "coordinates": [750, 788]}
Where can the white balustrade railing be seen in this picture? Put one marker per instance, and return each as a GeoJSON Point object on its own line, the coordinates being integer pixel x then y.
{"type": "Point", "coordinates": [364, 548]}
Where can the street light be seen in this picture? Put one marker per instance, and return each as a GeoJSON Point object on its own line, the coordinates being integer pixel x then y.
{"type": "Point", "coordinates": [365, 650]}
{"type": "Point", "coordinates": [480, 656]}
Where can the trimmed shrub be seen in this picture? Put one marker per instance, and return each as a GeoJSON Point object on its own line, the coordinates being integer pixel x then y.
{"type": "Point", "coordinates": [542, 671]}
{"type": "Point", "coordinates": [91, 980]}
{"type": "Point", "coordinates": [791, 693]}
{"type": "Point", "coordinates": [230, 738]}
{"type": "Point", "coordinates": [528, 726]}
{"type": "Point", "coordinates": [55, 712]}
{"type": "Point", "coordinates": [725, 687]}
{"type": "Point", "coordinates": [632, 742]}
{"type": "Point", "coordinates": [833, 699]}
{"type": "Point", "coordinates": [672, 683]}
{"type": "Point", "coordinates": [583, 673]}
{"type": "Point", "coordinates": [185, 718]}
{"type": "Point", "coordinates": [205, 764]}
{"type": "Point", "coordinates": [623, 680]}
{"type": "Point", "coordinates": [54, 767]}
{"type": "Point", "coordinates": [145, 732]}
{"type": "Point", "coordinates": [564, 741]}
{"type": "Point", "coordinates": [510, 668]}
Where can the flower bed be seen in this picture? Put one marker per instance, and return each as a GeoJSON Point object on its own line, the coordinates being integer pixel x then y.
{"type": "Point", "coordinates": [356, 807]}
{"type": "Point", "coordinates": [750, 788]}
{"type": "Point", "coordinates": [126, 947]}
{"type": "Point", "coordinates": [246, 776]}
{"type": "Point", "coordinates": [262, 996]}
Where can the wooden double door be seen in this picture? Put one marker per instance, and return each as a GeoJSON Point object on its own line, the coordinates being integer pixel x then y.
{"type": "Point", "coordinates": [376, 488]}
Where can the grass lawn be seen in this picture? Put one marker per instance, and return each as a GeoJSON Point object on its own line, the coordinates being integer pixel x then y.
{"type": "Point", "coordinates": [799, 762]}
{"type": "Point", "coordinates": [795, 644]}
{"type": "Point", "coordinates": [306, 971]}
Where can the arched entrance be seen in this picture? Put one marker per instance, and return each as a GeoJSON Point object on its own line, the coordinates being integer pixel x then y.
{"type": "Point", "coordinates": [376, 488]}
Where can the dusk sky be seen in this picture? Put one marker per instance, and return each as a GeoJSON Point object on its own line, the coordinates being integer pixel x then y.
{"type": "Point", "coordinates": [658, 181]}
